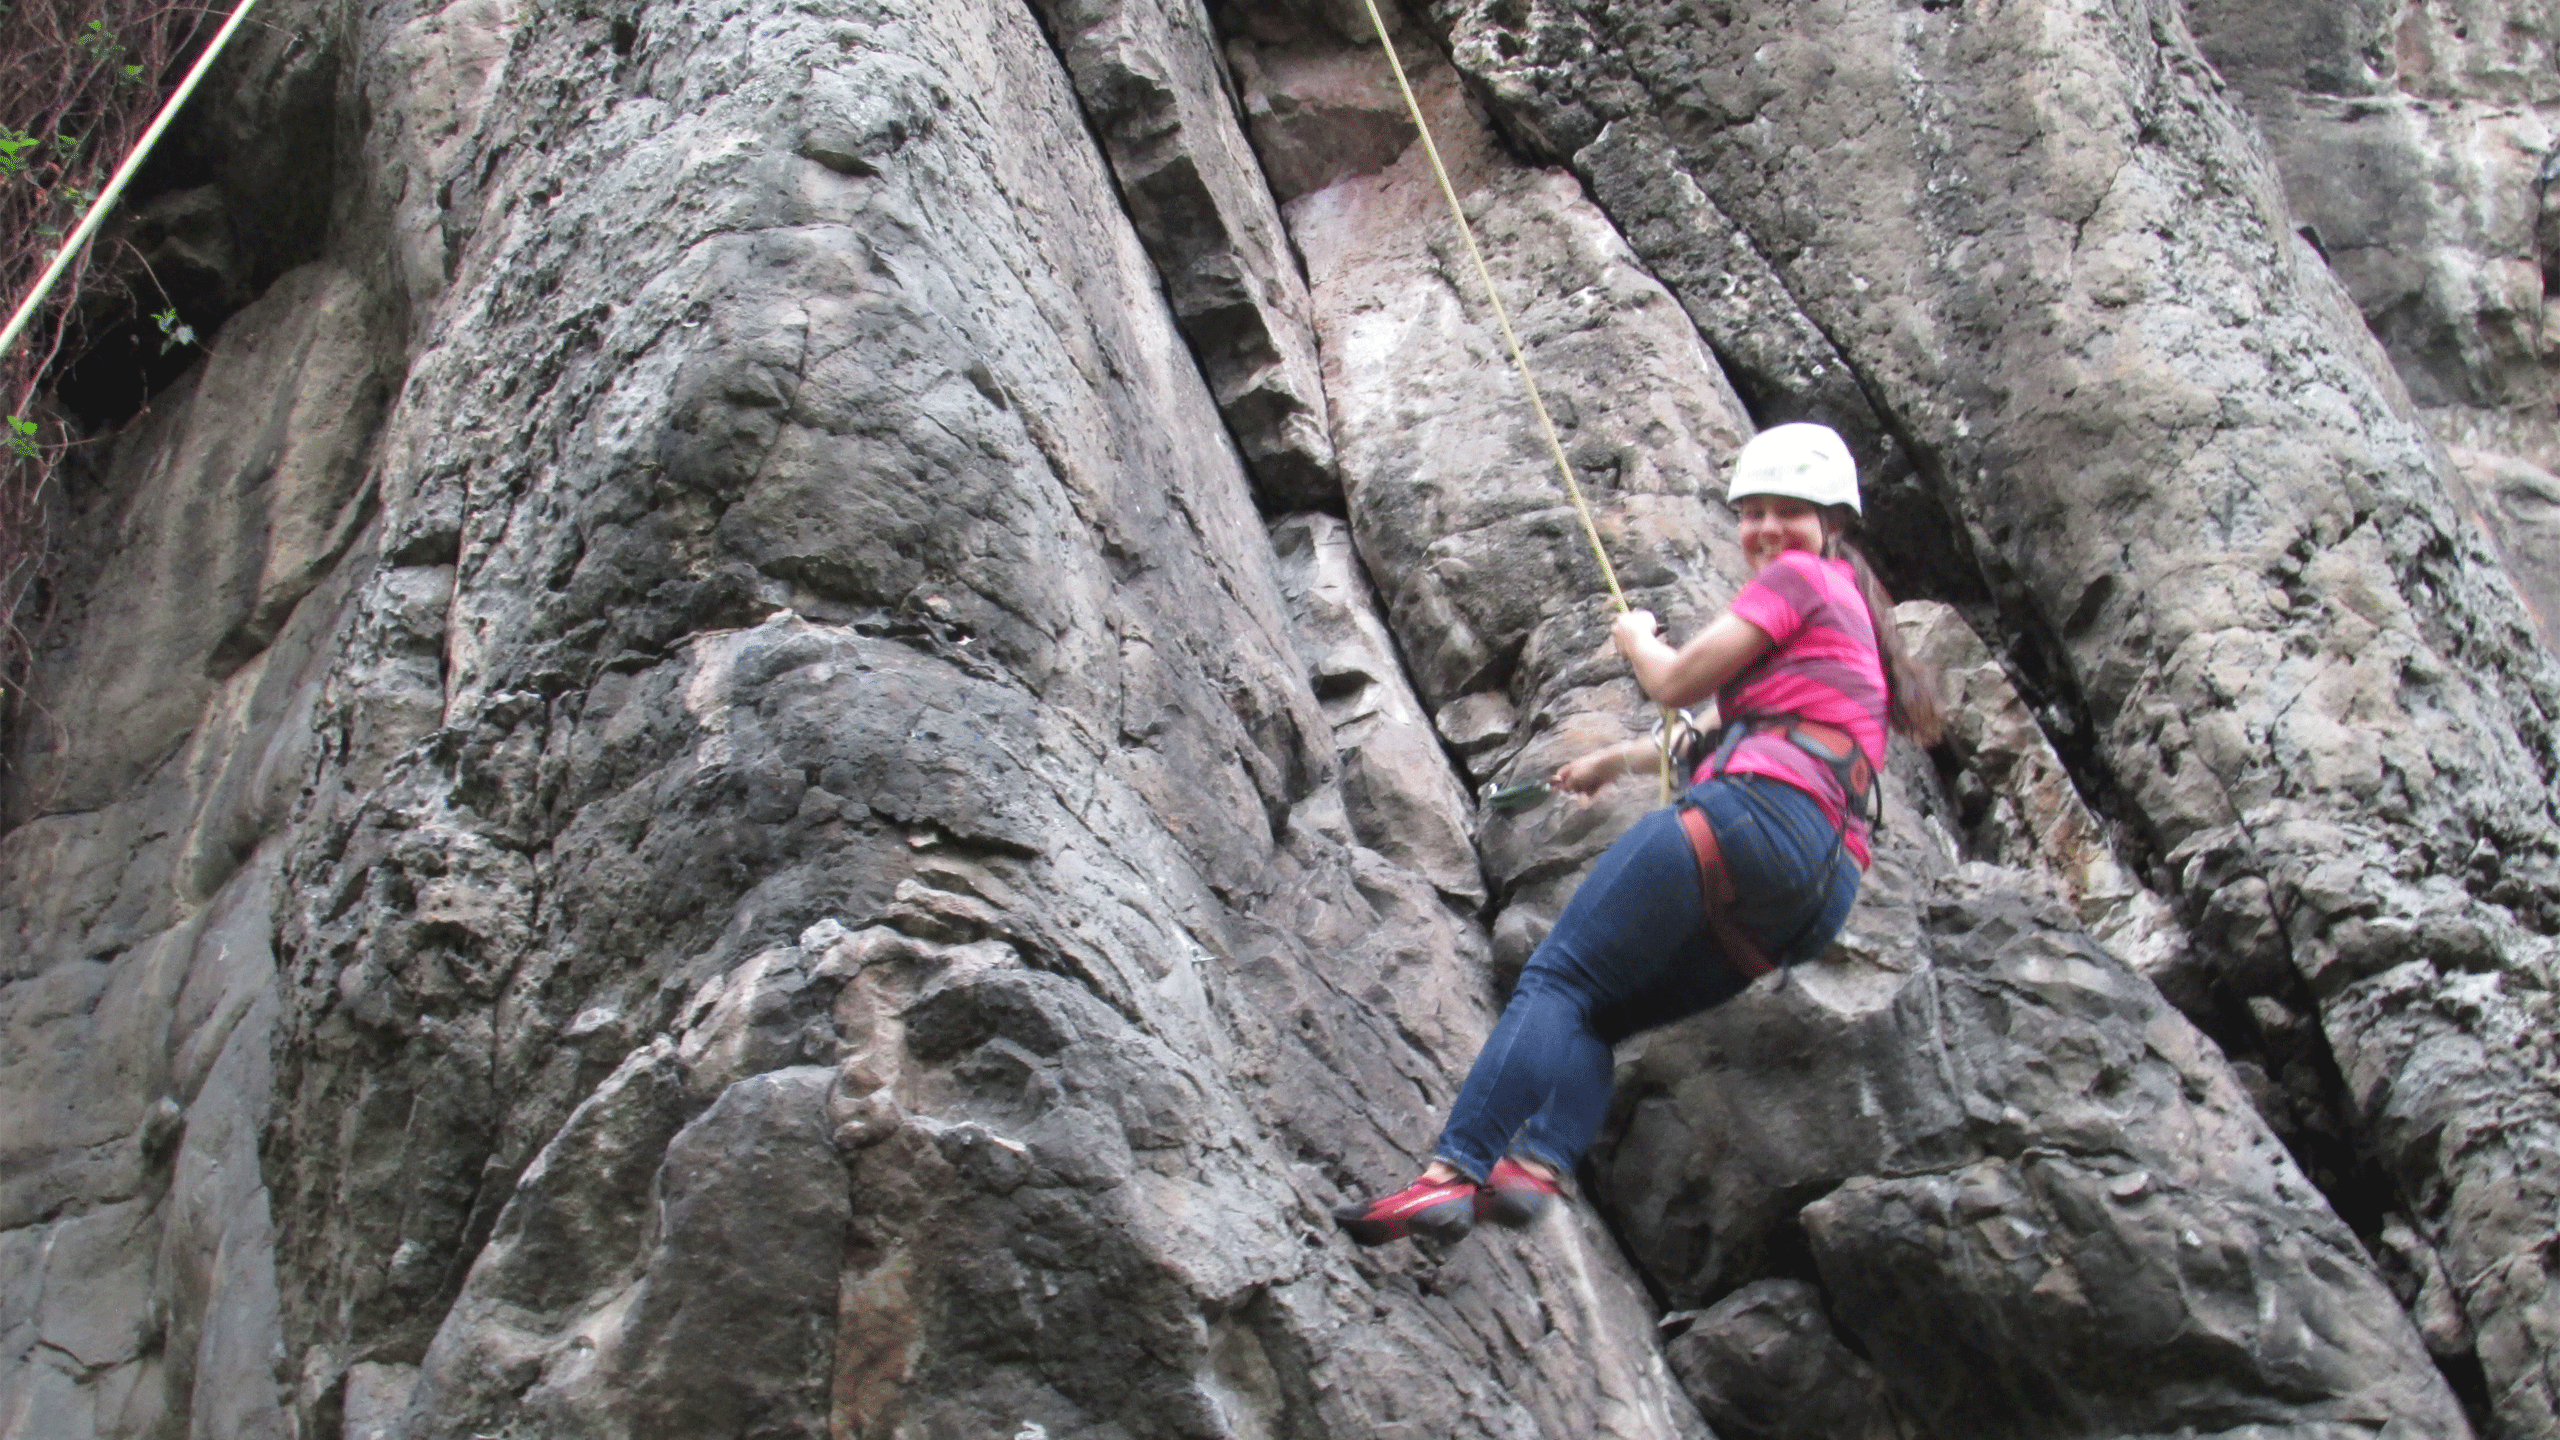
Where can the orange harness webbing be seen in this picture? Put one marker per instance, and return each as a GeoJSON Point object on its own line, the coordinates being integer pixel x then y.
{"type": "Point", "coordinates": [1836, 749]}
{"type": "Point", "coordinates": [1717, 888]}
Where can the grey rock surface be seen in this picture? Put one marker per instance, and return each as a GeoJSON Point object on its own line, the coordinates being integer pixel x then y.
{"type": "Point", "coordinates": [722, 772]}
{"type": "Point", "coordinates": [1157, 95]}
{"type": "Point", "coordinates": [2413, 149]}
{"type": "Point", "coordinates": [2233, 1276]}
{"type": "Point", "coordinates": [2016, 802]}
{"type": "Point", "coordinates": [1765, 1364]}
{"type": "Point", "coordinates": [2519, 500]}
{"type": "Point", "coordinates": [2015, 1153]}
{"type": "Point", "coordinates": [1401, 797]}
{"type": "Point", "coordinates": [2415, 144]}
{"type": "Point", "coordinates": [149, 787]}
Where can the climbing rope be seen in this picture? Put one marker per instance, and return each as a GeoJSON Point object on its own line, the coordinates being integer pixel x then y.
{"type": "Point", "coordinates": [114, 189]}
{"type": "Point", "coordinates": [1519, 361]}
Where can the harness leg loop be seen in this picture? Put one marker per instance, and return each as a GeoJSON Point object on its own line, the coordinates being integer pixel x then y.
{"type": "Point", "coordinates": [1715, 887]}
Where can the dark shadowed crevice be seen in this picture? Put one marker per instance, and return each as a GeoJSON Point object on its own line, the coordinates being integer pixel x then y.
{"type": "Point", "coordinates": [2038, 661]}
{"type": "Point", "coordinates": [2470, 1385]}
{"type": "Point", "coordinates": [126, 360]}
{"type": "Point", "coordinates": [237, 193]}
{"type": "Point", "coordinates": [2283, 1059]}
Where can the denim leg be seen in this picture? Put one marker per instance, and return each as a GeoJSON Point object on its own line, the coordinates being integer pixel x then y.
{"type": "Point", "coordinates": [1541, 1056]}
{"type": "Point", "coordinates": [1564, 1126]}
{"type": "Point", "coordinates": [1632, 952]}
{"type": "Point", "coordinates": [1633, 925]}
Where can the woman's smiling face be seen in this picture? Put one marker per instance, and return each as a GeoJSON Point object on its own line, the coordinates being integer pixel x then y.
{"type": "Point", "coordinates": [1774, 524]}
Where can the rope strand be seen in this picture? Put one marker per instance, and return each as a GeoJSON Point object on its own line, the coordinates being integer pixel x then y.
{"type": "Point", "coordinates": [1519, 361]}
{"type": "Point", "coordinates": [114, 189]}
{"type": "Point", "coordinates": [1502, 318]}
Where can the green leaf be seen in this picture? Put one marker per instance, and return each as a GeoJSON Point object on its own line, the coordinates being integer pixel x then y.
{"type": "Point", "coordinates": [178, 331]}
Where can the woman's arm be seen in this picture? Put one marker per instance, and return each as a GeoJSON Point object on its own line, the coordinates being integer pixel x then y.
{"type": "Point", "coordinates": [1696, 670]}
{"type": "Point", "coordinates": [1586, 774]}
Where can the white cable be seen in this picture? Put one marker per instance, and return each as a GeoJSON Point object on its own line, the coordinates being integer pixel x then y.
{"type": "Point", "coordinates": [115, 187]}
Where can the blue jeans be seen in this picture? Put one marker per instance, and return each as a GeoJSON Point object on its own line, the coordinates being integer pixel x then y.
{"type": "Point", "coordinates": [1631, 951]}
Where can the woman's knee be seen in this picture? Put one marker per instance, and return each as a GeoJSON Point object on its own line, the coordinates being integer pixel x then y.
{"type": "Point", "coordinates": [1551, 979]}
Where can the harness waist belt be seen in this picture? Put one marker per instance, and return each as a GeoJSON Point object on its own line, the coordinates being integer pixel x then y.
{"type": "Point", "coordinates": [1838, 744]}
{"type": "Point", "coordinates": [1837, 749]}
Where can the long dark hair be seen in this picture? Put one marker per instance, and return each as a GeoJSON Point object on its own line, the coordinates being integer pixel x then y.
{"type": "Point", "coordinates": [1910, 689]}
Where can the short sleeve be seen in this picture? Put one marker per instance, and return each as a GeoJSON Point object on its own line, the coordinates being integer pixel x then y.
{"type": "Point", "coordinates": [1780, 597]}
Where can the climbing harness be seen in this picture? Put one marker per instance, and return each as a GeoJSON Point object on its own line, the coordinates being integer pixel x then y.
{"type": "Point", "coordinates": [1716, 884]}
{"type": "Point", "coordinates": [1847, 761]}
{"type": "Point", "coordinates": [114, 188]}
{"type": "Point", "coordinates": [1837, 749]}
{"type": "Point", "coordinates": [1502, 318]}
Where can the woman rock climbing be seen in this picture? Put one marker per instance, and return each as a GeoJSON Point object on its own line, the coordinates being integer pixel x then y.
{"type": "Point", "coordinates": [1755, 866]}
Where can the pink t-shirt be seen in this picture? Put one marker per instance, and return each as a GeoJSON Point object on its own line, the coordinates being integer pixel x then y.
{"type": "Point", "coordinates": [1823, 667]}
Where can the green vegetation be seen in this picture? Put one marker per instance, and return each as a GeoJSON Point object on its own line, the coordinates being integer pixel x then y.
{"type": "Point", "coordinates": [79, 82]}
{"type": "Point", "coordinates": [173, 331]}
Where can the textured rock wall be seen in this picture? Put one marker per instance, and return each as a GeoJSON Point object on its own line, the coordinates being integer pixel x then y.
{"type": "Point", "coordinates": [790, 749]}
{"type": "Point", "coordinates": [2416, 147]}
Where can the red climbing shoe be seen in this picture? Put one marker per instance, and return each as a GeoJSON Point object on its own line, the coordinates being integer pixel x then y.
{"type": "Point", "coordinates": [1440, 1209]}
{"type": "Point", "coordinates": [1518, 1195]}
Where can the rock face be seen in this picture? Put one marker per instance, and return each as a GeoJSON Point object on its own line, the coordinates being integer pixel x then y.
{"type": "Point", "coordinates": [1153, 87]}
{"type": "Point", "coordinates": [2416, 147]}
{"type": "Point", "coordinates": [2296, 697]}
{"type": "Point", "coordinates": [784, 742]}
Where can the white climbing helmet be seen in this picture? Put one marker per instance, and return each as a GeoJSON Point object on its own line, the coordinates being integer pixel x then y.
{"type": "Point", "coordinates": [1806, 462]}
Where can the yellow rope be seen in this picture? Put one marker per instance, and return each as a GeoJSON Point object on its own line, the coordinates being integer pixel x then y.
{"type": "Point", "coordinates": [1520, 362]}
{"type": "Point", "coordinates": [1467, 233]}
